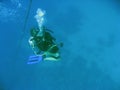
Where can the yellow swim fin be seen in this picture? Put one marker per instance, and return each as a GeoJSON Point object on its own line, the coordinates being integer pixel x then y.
{"type": "Point", "coordinates": [51, 59]}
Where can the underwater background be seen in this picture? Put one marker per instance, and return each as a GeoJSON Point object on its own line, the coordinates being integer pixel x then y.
{"type": "Point", "coordinates": [90, 57]}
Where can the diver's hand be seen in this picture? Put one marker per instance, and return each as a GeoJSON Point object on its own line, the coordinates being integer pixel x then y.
{"type": "Point", "coordinates": [61, 44]}
{"type": "Point", "coordinates": [31, 42]}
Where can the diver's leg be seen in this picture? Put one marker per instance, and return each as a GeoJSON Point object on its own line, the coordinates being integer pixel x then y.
{"type": "Point", "coordinates": [52, 54]}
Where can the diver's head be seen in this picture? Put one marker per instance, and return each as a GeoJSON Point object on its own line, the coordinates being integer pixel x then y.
{"type": "Point", "coordinates": [34, 32]}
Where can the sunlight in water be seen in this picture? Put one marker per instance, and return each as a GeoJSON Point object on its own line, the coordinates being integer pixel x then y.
{"type": "Point", "coordinates": [9, 10]}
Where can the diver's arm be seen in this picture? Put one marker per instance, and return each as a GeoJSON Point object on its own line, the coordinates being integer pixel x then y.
{"type": "Point", "coordinates": [31, 42]}
{"type": "Point", "coordinates": [34, 48]}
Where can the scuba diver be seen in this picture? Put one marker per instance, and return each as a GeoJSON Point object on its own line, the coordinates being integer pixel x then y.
{"type": "Point", "coordinates": [44, 44]}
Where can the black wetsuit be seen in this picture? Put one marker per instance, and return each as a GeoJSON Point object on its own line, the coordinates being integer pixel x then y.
{"type": "Point", "coordinates": [45, 42]}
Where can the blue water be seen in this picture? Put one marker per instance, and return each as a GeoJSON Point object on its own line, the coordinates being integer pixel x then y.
{"type": "Point", "coordinates": [90, 58]}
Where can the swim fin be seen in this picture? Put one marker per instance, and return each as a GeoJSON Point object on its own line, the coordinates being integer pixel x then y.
{"type": "Point", "coordinates": [34, 59]}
